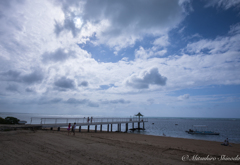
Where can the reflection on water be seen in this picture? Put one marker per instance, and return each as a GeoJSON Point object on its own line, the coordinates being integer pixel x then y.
{"type": "Point", "coordinates": [176, 127]}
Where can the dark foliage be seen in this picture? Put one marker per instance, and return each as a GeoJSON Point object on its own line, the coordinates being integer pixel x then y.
{"type": "Point", "coordinates": [9, 120]}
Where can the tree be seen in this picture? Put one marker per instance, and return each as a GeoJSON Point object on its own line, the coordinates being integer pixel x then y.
{"type": "Point", "coordinates": [9, 120]}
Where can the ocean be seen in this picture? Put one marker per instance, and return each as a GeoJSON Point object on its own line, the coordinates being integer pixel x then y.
{"type": "Point", "coordinates": [168, 126]}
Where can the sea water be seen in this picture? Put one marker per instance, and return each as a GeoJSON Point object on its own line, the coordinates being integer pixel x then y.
{"type": "Point", "coordinates": [176, 127]}
{"type": "Point", "coordinates": [160, 126]}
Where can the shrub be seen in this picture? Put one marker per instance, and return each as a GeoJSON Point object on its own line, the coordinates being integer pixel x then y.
{"type": "Point", "coordinates": [2, 121]}
{"type": "Point", "coordinates": [9, 120]}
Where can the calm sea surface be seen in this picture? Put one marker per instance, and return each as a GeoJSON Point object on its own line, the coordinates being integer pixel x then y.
{"type": "Point", "coordinates": [172, 127]}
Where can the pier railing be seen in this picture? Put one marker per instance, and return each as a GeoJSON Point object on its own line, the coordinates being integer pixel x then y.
{"type": "Point", "coordinates": [86, 120]}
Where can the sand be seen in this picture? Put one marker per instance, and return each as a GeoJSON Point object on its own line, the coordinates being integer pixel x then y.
{"type": "Point", "coordinates": [56, 147]}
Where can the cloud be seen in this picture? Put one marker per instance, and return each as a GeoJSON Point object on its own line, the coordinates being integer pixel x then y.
{"type": "Point", "coordinates": [149, 78]}
{"type": "Point", "coordinates": [93, 104]}
{"type": "Point", "coordinates": [81, 102]}
{"type": "Point", "coordinates": [117, 101]}
{"type": "Point", "coordinates": [60, 55]}
{"type": "Point", "coordinates": [118, 23]}
{"type": "Point", "coordinates": [12, 88]}
{"type": "Point", "coordinates": [76, 101]}
{"type": "Point", "coordinates": [64, 82]}
{"type": "Point", "coordinates": [67, 25]}
{"type": "Point", "coordinates": [150, 101]}
{"type": "Point", "coordinates": [83, 83]}
{"type": "Point", "coordinates": [221, 44]}
{"type": "Point", "coordinates": [11, 75]}
{"type": "Point", "coordinates": [183, 97]}
{"type": "Point", "coordinates": [28, 40]}
{"type": "Point", "coordinates": [29, 90]}
{"type": "Point", "coordinates": [223, 3]}
{"type": "Point", "coordinates": [35, 77]}
{"type": "Point", "coordinates": [158, 49]}
{"type": "Point", "coordinates": [144, 54]}
{"type": "Point", "coordinates": [141, 53]}
{"type": "Point", "coordinates": [49, 101]}
{"type": "Point", "coordinates": [161, 41]}
{"type": "Point", "coordinates": [55, 100]}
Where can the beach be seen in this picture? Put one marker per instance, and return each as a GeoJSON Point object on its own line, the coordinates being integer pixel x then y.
{"type": "Point", "coordinates": [57, 147]}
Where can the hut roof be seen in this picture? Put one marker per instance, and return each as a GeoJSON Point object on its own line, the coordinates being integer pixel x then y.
{"type": "Point", "coordinates": [139, 114]}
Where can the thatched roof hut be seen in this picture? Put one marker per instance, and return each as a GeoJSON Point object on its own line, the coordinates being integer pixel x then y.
{"type": "Point", "coordinates": [139, 115]}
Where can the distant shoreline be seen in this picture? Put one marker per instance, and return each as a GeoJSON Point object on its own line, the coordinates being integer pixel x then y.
{"type": "Point", "coordinates": [82, 116]}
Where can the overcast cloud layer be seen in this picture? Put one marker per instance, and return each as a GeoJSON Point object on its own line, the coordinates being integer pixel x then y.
{"type": "Point", "coordinates": [53, 58]}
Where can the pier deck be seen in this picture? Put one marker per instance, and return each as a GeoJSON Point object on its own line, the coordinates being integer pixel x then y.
{"type": "Point", "coordinates": [63, 122]}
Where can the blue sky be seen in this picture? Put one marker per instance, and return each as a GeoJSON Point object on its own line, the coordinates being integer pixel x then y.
{"type": "Point", "coordinates": [117, 58]}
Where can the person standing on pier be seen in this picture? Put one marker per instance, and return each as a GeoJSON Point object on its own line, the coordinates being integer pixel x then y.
{"type": "Point", "coordinates": [73, 129]}
{"type": "Point", "coordinates": [91, 119]}
{"type": "Point", "coordinates": [88, 119]}
{"type": "Point", "coordinates": [69, 127]}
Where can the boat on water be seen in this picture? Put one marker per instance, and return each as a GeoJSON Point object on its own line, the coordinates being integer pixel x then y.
{"type": "Point", "coordinates": [200, 130]}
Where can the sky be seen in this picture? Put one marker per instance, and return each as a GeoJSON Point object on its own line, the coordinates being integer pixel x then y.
{"type": "Point", "coordinates": [163, 58]}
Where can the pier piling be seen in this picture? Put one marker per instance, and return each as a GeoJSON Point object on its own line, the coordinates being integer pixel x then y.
{"type": "Point", "coordinates": [57, 123]}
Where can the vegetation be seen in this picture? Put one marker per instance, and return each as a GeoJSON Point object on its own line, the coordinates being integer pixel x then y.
{"type": "Point", "coordinates": [9, 120]}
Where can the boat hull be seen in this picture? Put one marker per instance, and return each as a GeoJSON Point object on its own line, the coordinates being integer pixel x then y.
{"type": "Point", "coordinates": [202, 133]}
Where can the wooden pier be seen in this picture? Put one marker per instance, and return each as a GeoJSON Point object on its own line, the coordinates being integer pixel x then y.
{"type": "Point", "coordinates": [80, 122]}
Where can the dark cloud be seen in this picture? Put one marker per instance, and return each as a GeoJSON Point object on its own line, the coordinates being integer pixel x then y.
{"type": "Point", "coordinates": [49, 101]}
{"type": "Point", "coordinates": [153, 78]}
{"type": "Point", "coordinates": [11, 75]}
{"type": "Point", "coordinates": [12, 88]}
{"type": "Point", "coordinates": [58, 28]}
{"type": "Point", "coordinates": [58, 56]}
{"type": "Point", "coordinates": [29, 90]}
{"type": "Point", "coordinates": [82, 101]}
{"type": "Point", "coordinates": [76, 101]}
{"type": "Point", "coordinates": [145, 14]}
{"type": "Point", "coordinates": [34, 77]}
{"type": "Point", "coordinates": [68, 25]}
{"type": "Point", "coordinates": [7, 3]}
{"type": "Point", "coordinates": [55, 100]}
{"type": "Point", "coordinates": [2, 94]}
{"type": "Point", "coordinates": [83, 83]}
{"type": "Point", "coordinates": [92, 104]}
{"type": "Point", "coordinates": [128, 18]}
{"type": "Point", "coordinates": [121, 101]}
{"type": "Point", "coordinates": [64, 83]}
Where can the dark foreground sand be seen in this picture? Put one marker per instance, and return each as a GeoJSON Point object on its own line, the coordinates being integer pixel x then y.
{"type": "Point", "coordinates": [53, 147]}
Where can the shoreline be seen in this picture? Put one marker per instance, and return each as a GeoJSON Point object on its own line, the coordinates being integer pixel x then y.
{"type": "Point", "coordinates": [63, 129]}
{"type": "Point", "coordinates": [56, 147]}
